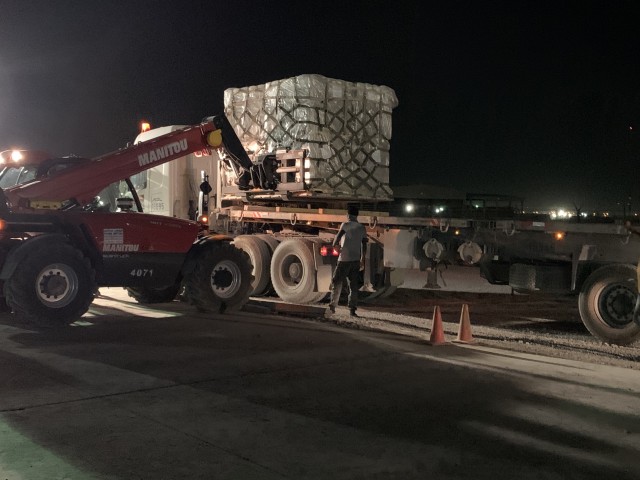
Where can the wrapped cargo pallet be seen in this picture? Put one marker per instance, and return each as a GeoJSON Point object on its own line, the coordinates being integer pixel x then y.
{"type": "Point", "coordinates": [345, 127]}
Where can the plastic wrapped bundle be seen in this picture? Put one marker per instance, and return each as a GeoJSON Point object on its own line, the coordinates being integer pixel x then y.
{"type": "Point", "coordinates": [345, 127]}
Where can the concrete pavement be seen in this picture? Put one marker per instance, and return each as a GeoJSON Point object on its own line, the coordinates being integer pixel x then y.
{"type": "Point", "coordinates": [166, 393]}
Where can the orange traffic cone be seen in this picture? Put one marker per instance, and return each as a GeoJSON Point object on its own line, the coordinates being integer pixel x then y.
{"type": "Point", "coordinates": [464, 330]}
{"type": "Point", "coordinates": [437, 330]}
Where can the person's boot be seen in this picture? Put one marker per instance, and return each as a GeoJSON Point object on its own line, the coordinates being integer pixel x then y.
{"type": "Point", "coordinates": [352, 313]}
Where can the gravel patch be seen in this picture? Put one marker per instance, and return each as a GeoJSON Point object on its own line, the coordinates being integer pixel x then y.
{"type": "Point", "coordinates": [543, 325]}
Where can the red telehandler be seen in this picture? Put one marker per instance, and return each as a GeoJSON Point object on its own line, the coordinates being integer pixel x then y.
{"type": "Point", "coordinates": [65, 234]}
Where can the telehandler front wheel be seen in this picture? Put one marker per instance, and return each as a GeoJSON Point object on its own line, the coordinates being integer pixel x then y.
{"type": "Point", "coordinates": [51, 287]}
{"type": "Point", "coordinates": [221, 279]}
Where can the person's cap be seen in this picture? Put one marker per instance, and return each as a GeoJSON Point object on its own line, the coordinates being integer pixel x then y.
{"type": "Point", "coordinates": [352, 210]}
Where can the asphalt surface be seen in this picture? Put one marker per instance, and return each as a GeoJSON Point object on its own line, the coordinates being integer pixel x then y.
{"type": "Point", "coordinates": [166, 393]}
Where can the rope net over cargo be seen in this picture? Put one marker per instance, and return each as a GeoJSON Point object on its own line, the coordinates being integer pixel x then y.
{"type": "Point", "coordinates": [344, 126]}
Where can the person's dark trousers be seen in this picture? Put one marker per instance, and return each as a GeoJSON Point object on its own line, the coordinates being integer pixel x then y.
{"type": "Point", "coordinates": [351, 272]}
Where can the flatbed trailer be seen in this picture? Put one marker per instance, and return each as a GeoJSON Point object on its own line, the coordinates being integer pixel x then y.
{"type": "Point", "coordinates": [594, 261]}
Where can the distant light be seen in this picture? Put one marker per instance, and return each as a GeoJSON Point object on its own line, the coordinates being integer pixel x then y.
{"type": "Point", "coordinates": [145, 127]}
{"type": "Point", "coordinates": [560, 213]}
{"type": "Point", "coordinates": [409, 207]}
{"type": "Point", "coordinates": [16, 155]}
{"type": "Point", "coordinates": [559, 235]}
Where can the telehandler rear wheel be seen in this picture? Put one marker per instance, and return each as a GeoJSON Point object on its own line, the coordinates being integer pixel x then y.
{"type": "Point", "coordinates": [221, 279]}
{"type": "Point", "coordinates": [51, 287]}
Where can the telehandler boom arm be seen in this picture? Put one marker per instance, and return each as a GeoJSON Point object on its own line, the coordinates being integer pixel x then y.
{"type": "Point", "coordinates": [78, 185]}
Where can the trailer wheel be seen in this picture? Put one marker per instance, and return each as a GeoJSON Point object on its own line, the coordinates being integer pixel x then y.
{"type": "Point", "coordinates": [260, 256]}
{"type": "Point", "coordinates": [221, 279]}
{"type": "Point", "coordinates": [148, 296]}
{"type": "Point", "coordinates": [51, 287]}
{"type": "Point", "coordinates": [293, 272]}
{"type": "Point", "coordinates": [607, 302]}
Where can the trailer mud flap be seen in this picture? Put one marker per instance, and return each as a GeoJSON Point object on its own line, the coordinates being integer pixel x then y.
{"type": "Point", "coordinates": [399, 248]}
{"type": "Point", "coordinates": [323, 277]}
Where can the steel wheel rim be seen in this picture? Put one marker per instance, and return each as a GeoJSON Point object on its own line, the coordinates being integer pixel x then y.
{"type": "Point", "coordinates": [616, 304]}
{"type": "Point", "coordinates": [57, 285]}
{"type": "Point", "coordinates": [292, 270]}
{"type": "Point", "coordinates": [225, 279]}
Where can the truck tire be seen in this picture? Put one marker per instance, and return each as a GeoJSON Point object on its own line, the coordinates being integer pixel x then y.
{"type": "Point", "coordinates": [51, 287]}
{"type": "Point", "coordinates": [606, 304]}
{"type": "Point", "coordinates": [293, 272]}
{"type": "Point", "coordinates": [221, 279]}
{"type": "Point", "coordinates": [272, 242]}
{"type": "Point", "coordinates": [260, 256]}
{"type": "Point", "coordinates": [318, 297]}
{"type": "Point", "coordinates": [148, 296]}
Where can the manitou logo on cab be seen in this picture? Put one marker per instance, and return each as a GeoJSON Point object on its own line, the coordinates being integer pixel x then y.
{"type": "Point", "coordinates": [162, 152]}
{"type": "Point", "coordinates": [120, 247]}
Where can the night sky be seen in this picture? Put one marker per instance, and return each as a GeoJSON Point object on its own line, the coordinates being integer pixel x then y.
{"type": "Point", "coordinates": [534, 99]}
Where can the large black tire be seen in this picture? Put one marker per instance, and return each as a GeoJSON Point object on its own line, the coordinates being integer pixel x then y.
{"type": "Point", "coordinates": [51, 287]}
{"type": "Point", "coordinates": [148, 296]}
{"type": "Point", "coordinates": [260, 256]}
{"type": "Point", "coordinates": [221, 280]}
{"type": "Point", "coordinates": [606, 304]}
{"type": "Point", "coordinates": [293, 272]}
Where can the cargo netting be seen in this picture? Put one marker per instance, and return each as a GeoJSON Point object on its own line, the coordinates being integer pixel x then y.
{"type": "Point", "coordinates": [344, 126]}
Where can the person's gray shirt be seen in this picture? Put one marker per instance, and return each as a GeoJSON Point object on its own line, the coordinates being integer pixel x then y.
{"type": "Point", "coordinates": [351, 241]}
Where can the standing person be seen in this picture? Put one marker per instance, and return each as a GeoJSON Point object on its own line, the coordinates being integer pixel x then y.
{"type": "Point", "coordinates": [352, 237]}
